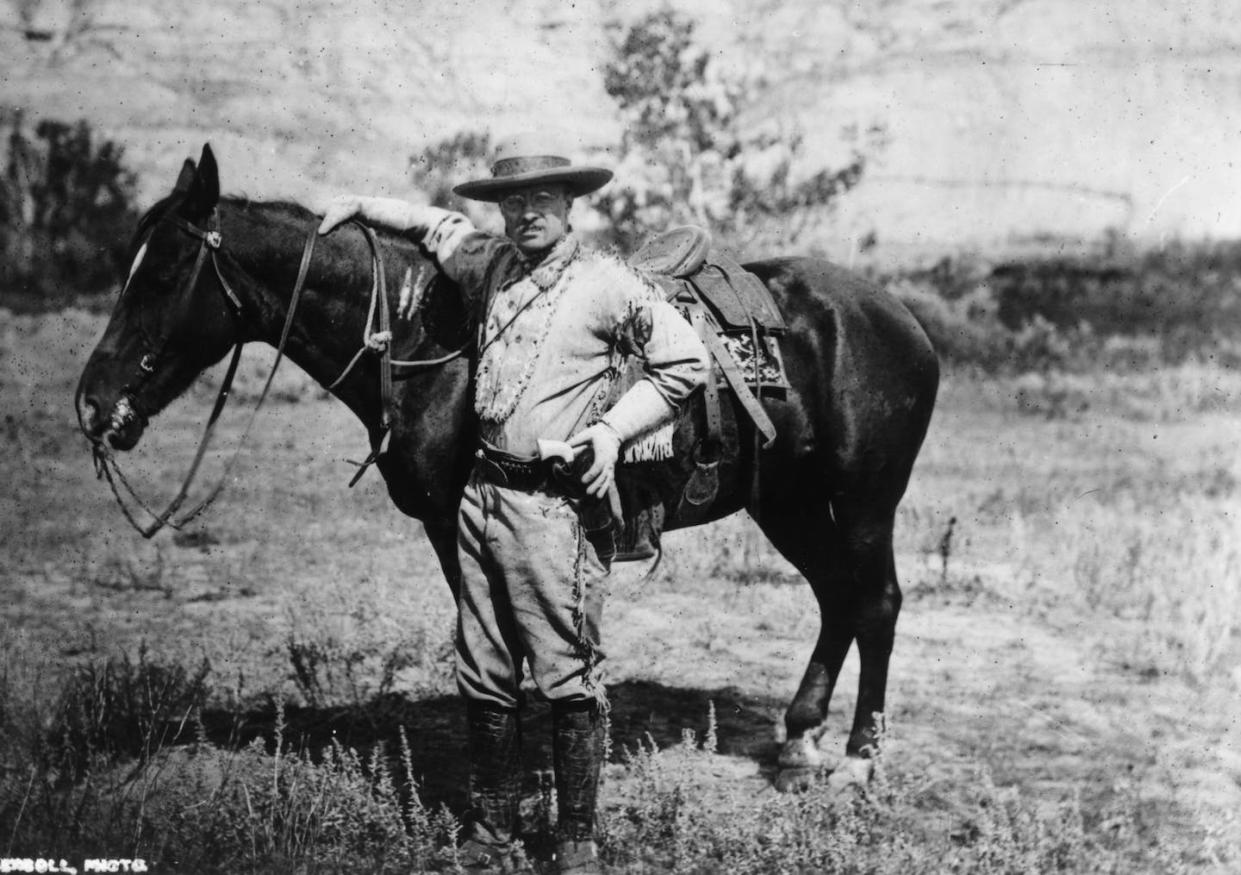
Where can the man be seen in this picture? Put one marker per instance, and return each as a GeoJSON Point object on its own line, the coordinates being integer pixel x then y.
{"type": "Point", "coordinates": [556, 317]}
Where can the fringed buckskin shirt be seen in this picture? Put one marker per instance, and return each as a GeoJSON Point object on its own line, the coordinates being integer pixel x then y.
{"type": "Point", "coordinates": [554, 332]}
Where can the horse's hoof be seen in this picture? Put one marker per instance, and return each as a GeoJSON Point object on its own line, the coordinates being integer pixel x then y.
{"type": "Point", "coordinates": [851, 772]}
{"type": "Point", "coordinates": [800, 753]}
{"type": "Point", "coordinates": [796, 780]}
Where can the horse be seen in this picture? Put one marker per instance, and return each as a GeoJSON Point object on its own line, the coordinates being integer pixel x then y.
{"type": "Point", "coordinates": [863, 380]}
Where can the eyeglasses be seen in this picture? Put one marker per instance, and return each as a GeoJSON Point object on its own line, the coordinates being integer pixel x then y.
{"type": "Point", "coordinates": [539, 202]}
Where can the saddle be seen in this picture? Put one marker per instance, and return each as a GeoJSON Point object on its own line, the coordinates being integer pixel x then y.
{"type": "Point", "coordinates": [735, 317]}
{"type": "Point", "coordinates": [733, 313]}
{"type": "Point", "coordinates": [681, 259]}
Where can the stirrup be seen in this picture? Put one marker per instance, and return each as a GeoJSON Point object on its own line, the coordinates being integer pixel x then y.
{"type": "Point", "coordinates": [704, 480]}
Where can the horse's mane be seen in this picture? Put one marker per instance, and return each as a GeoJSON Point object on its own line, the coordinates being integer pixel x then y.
{"type": "Point", "coordinates": [445, 315]}
{"type": "Point", "coordinates": [292, 214]}
{"type": "Point", "coordinates": [343, 258]}
{"type": "Point", "coordinates": [288, 213]}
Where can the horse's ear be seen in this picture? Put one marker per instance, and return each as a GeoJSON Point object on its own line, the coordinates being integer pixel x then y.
{"type": "Point", "coordinates": [186, 179]}
{"type": "Point", "coordinates": [204, 190]}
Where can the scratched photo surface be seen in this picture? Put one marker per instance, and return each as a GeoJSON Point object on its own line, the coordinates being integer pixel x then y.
{"type": "Point", "coordinates": [1050, 188]}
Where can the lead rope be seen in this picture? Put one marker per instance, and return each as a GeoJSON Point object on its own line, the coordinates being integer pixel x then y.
{"type": "Point", "coordinates": [106, 463]}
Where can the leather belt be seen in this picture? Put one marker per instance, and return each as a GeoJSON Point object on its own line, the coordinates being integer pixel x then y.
{"type": "Point", "coordinates": [523, 473]}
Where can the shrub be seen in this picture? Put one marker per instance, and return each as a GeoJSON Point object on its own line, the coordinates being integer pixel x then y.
{"type": "Point", "coordinates": [121, 708]}
{"type": "Point", "coordinates": [66, 211]}
{"type": "Point", "coordinates": [1187, 295]}
{"type": "Point", "coordinates": [113, 774]}
{"type": "Point", "coordinates": [961, 333]}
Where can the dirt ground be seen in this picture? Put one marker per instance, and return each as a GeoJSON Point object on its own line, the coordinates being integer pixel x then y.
{"type": "Point", "coordinates": [999, 669]}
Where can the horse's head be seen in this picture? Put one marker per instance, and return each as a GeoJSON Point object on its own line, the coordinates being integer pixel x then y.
{"type": "Point", "coordinates": [172, 321]}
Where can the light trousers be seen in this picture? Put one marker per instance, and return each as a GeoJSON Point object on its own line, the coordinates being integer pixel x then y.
{"type": "Point", "coordinates": [532, 590]}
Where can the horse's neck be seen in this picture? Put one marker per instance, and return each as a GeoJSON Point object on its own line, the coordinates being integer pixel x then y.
{"type": "Point", "coordinates": [330, 318]}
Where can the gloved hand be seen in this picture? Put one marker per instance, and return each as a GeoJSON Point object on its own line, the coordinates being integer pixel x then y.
{"type": "Point", "coordinates": [605, 443]}
{"type": "Point", "coordinates": [396, 215]}
{"type": "Point", "coordinates": [340, 209]}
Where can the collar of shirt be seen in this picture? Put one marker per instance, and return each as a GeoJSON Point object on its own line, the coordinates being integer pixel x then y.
{"type": "Point", "coordinates": [545, 268]}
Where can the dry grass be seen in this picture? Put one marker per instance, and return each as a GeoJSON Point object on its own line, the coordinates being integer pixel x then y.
{"type": "Point", "coordinates": [1061, 689]}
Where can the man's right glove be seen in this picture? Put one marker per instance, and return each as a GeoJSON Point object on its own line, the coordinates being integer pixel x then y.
{"type": "Point", "coordinates": [396, 215]}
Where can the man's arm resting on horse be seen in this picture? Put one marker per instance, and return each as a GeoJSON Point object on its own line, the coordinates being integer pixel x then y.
{"type": "Point", "coordinates": [395, 215]}
{"type": "Point", "coordinates": [440, 231]}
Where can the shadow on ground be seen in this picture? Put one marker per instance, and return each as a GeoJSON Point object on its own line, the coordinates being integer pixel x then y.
{"type": "Point", "coordinates": [641, 712]}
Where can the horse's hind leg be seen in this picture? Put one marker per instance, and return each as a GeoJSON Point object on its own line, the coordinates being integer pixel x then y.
{"type": "Point", "coordinates": [848, 563]}
{"type": "Point", "coordinates": [872, 605]}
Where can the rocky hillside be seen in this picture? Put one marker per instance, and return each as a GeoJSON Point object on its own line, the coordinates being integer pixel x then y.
{"type": "Point", "coordinates": [1008, 121]}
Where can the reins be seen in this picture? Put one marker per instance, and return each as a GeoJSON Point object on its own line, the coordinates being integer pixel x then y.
{"type": "Point", "coordinates": [373, 340]}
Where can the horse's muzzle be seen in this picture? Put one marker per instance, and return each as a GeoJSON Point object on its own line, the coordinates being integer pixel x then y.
{"type": "Point", "coordinates": [125, 425]}
{"type": "Point", "coordinates": [121, 428]}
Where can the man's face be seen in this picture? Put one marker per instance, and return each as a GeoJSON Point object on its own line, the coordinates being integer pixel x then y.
{"type": "Point", "coordinates": [536, 216]}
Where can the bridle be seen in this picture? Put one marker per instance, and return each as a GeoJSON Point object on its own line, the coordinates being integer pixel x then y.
{"type": "Point", "coordinates": [210, 243]}
{"type": "Point", "coordinates": [210, 240]}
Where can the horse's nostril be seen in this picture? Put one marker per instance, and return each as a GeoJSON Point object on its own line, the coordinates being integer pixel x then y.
{"type": "Point", "coordinates": [88, 416]}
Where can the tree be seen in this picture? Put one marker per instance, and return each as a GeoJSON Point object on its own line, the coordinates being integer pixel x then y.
{"type": "Point", "coordinates": [687, 153]}
{"type": "Point", "coordinates": [66, 210]}
{"type": "Point", "coordinates": [447, 162]}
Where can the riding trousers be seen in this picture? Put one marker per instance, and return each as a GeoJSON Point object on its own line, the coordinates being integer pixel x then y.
{"type": "Point", "coordinates": [532, 589]}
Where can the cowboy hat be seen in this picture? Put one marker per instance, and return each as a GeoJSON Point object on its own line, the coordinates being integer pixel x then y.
{"type": "Point", "coordinates": [529, 159]}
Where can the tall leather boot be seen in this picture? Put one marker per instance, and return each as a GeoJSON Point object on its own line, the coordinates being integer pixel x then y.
{"type": "Point", "coordinates": [577, 749]}
{"type": "Point", "coordinates": [495, 788]}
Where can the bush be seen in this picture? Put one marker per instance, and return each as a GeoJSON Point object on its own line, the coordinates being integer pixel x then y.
{"type": "Point", "coordinates": [120, 708]}
{"type": "Point", "coordinates": [122, 768]}
{"type": "Point", "coordinates": [1128, 310]}
{"type": "Point", "coordinates": [66, 214]}
{"type": "Point", "coordinates": [1188, 295]}
{"type": "Point", "coordinates": [960, 334]}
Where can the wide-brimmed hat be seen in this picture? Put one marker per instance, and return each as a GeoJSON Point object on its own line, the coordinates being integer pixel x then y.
{"type": "Point", "coordinates": [528, 159]}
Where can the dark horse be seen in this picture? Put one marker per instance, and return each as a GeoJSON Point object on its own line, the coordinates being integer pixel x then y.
{"type": "Point", "coordinates": [863, 377]}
